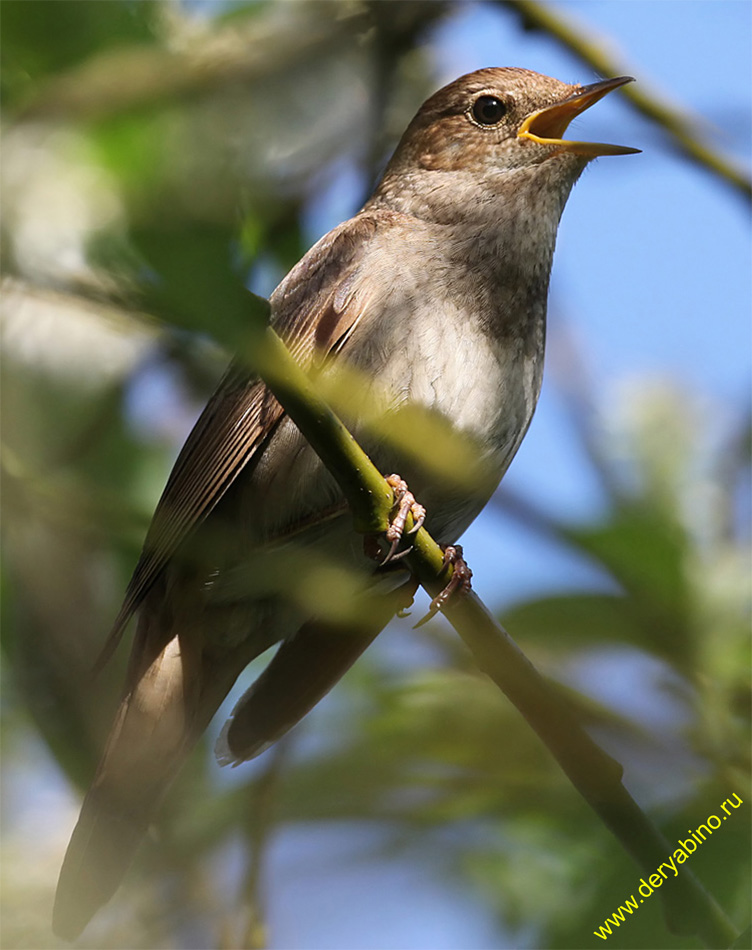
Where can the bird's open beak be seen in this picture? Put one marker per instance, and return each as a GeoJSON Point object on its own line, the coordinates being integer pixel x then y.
{"type": "Point", "coordinates": [546, 126]}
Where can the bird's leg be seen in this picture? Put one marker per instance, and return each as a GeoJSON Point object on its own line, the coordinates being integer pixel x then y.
{"type": "Point", "coordinates": [405, 504]}
{"type": "Point", "coordinates": [459, 584]}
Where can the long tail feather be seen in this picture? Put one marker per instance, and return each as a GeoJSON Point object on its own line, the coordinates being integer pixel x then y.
{"type": "Point", "coordinates": [172, 698]}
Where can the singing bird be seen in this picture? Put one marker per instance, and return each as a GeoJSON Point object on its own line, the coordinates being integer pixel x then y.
{"type": "Point", "coordinates": [432, 296]}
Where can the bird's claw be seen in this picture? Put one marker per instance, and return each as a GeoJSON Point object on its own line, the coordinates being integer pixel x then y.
{"type": "Point", "coordinates": [458, 585]}
{"type": "Point", "coordinates": [405, 504]}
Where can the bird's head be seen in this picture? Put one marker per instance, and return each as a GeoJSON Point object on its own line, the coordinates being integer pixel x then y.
{"type": "Point", "coordinates": [485, 127]}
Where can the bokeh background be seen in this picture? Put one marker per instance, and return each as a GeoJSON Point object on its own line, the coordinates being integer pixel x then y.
{"type": "Point", "coordinates": [202, 142]}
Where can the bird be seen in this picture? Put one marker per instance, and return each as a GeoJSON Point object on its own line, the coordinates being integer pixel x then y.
{"type": "Point", "coordinates": [432, 298]}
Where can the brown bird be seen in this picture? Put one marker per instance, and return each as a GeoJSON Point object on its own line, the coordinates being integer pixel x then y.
{"type": "Point", "coordinates": [433, 298]}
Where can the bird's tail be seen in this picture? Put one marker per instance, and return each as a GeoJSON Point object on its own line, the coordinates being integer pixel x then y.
{"type": "Point", "coordinates": [303, 670]}
{"type": "Point", "coordinates": [170, 701]}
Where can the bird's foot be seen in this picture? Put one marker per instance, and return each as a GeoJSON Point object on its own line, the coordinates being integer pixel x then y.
{"type": "Point", "coordinates": [459, 584]}
{"type": "Point", "coordinates": [404, 505]}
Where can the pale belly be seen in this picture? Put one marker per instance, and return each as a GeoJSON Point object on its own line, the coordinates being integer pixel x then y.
{"type": "Point", "coordinates": [439, 402]}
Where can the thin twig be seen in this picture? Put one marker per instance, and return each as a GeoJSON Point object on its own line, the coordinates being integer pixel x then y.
{"type": "Point", "coordinates": [122, 78]}
{"type": "Point", "coordinates": [259, 826]}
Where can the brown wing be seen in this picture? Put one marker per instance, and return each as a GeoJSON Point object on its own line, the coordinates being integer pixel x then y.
{"type": "Point", "coordinates": [320, 301]}
{"type": "Point", "coordinates": [313, 309]}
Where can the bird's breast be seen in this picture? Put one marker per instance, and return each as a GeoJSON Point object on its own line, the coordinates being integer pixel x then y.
{"type": "Point", "coordinates": [442, 356]}
{"type": "Point", "coordinates": [438, 381]}
{"type": "Point", "coordinates": [443, 400]}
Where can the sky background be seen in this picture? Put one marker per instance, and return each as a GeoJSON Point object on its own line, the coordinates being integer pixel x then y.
{"type": "Point", "coordinates": [652, 282]}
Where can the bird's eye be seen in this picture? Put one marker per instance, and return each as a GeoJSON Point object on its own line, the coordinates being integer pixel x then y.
{"type": "Point", "coordinates": [488, 110]}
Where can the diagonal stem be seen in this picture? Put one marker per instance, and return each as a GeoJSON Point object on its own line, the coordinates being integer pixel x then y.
{"type": "Point", "coordinates": [597, 776]}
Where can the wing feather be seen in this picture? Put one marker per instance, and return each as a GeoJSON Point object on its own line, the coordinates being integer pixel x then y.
{"type": "Point", "coordinates": [314, 309]}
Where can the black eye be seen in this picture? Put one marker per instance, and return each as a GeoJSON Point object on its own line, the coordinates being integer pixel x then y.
{"type": "Point", "coordinates": [488, 110]}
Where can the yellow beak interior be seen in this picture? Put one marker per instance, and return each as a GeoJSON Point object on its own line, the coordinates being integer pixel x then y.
{"type": "Point", "coordinates": [547, 126]}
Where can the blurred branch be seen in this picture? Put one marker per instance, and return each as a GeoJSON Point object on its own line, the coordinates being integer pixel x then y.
{"type": "Point", "coordinates": [259, 826]}
{"type": "Point", "coordinates": [100, 297]}
{"type": "Point", "coordinates": [574, 381]}
{"type": "Point", "coordinates": [271, 38]}
{"type": "Point", "coordinates": [134, 76]}
{"type": "Point", "coordinates": [689, 908]}
{"type": "Point", "coordinates": [397, 31]}
{"type": "Point", "coordinates": [680, 127]}
{"type": "Point", "coordinates": [733, 467]}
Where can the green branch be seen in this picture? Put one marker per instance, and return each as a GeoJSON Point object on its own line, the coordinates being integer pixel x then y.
{"type": "Point", "coordinates": [689, 908]}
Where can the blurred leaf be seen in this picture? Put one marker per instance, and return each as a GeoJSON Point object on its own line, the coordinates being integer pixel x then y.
{"type": "Point", "coordinates": [647, 554]}
{"type": "Point", "coordinates": [572, 620]}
